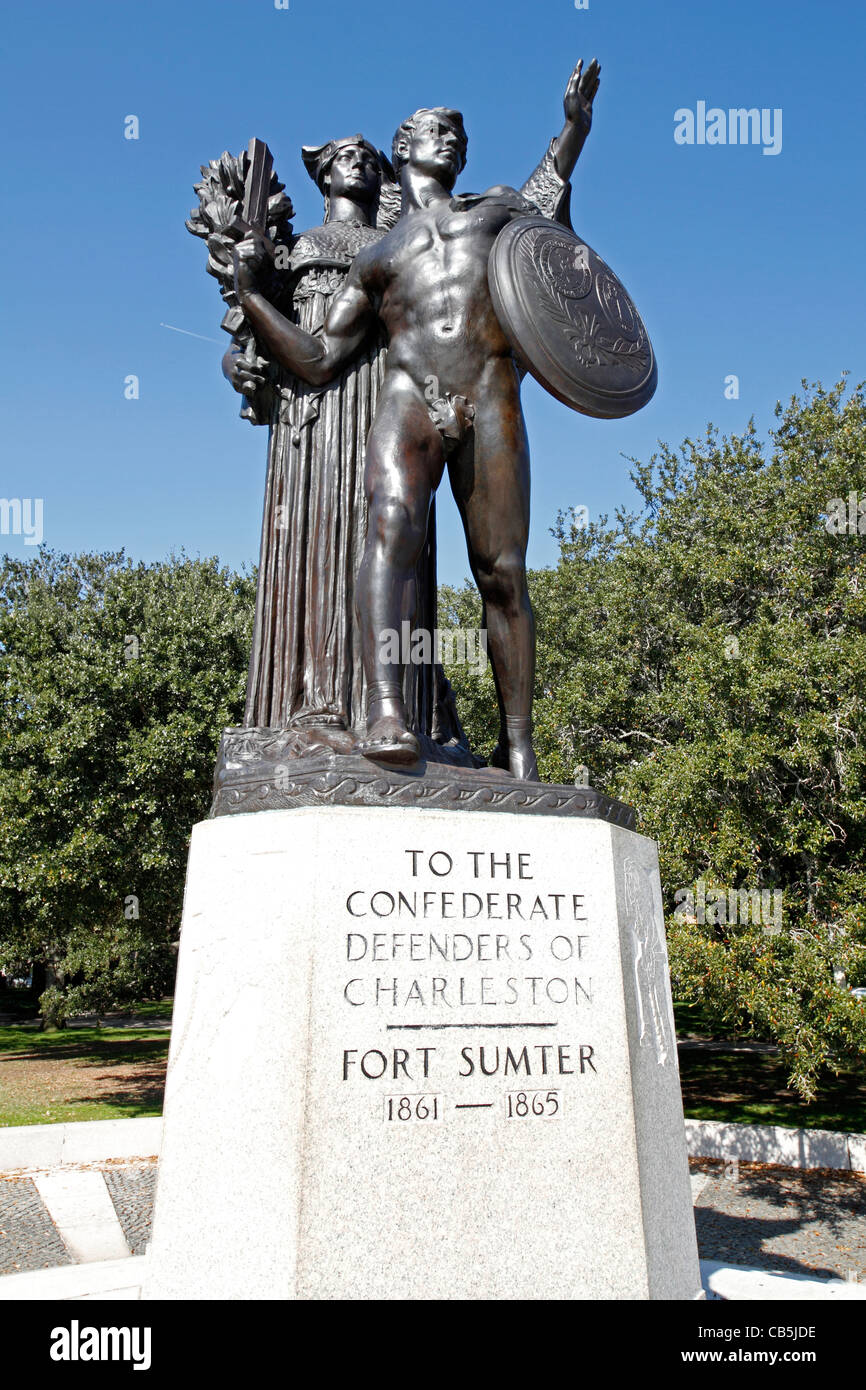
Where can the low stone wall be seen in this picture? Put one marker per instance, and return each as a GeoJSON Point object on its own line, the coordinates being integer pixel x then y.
{"type": "Point", "coordinates": [88, 1141]}
{"type": "Point", "coordinates": [787, 1148]}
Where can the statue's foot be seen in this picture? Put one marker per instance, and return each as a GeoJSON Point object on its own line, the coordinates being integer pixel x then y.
{"type": "Point", "coordinates": [327, 738]}
{"type": "Point", "coordinates": [522, 763]}
{"type": "Point", "coordinates": [514, 751]}
{"type": "Point", "coordinates": [389, 741]}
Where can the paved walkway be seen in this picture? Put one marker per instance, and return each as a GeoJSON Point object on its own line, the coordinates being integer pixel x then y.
{"type": "Point", "coordinates": [76, 1214]}
{"type": "Point", "coordinates": [809, 1224]}
{"type": "Point", "coordinates": [161, 1022]}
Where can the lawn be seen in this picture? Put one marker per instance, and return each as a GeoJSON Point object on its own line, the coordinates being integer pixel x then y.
{"type": "Point", "coordinates": [751, 1088]}
{"type": "Point", "coordinates": [82, 1073]}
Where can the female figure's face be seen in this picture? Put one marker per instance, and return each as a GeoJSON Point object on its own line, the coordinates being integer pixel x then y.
{"type": "Point", "coordinates": [354, 174]}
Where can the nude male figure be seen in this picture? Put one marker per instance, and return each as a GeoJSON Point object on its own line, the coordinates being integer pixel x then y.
{"type": "Point", "coordinates": [451, 396]}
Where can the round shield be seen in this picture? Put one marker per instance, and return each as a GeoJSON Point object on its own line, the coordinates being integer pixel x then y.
{"type": "Point", "coordinates": [570, 320]}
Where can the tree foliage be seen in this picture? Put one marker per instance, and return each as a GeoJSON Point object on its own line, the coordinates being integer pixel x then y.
{"type": "Point", "coordinates": [705, 660]}
{"type": "Point", "coordinates": [117, 680]}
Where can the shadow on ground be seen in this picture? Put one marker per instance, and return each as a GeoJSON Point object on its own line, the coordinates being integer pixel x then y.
{"type": "Point", "coordinates": [810, 1223]}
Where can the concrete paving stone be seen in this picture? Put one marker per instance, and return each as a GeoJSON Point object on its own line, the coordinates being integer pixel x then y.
{"type": "Point", "coordinates": [735, 1284]}
{"type": "Point", "coordinates": [28, 1237]}
{"type": "Point", "coordinates": [81, 1209]}
{"type": "Point", "coordinates": [101, 1139]}
{"type": "Point", "coordinates": [789, 1148]}
{"type": "Point", "coordinates": [810, 1224]}
{"type": "Point", "coordinates": [857, 1152]}
{"type": "Point", "coordinates": [81, 1141]}
{"type": "Point", "coordinates": [132, 1293]}
{"type": "Point", "coordinates": [132, 1190]}
{"type": "Point", "coordinates": [30, 1146]}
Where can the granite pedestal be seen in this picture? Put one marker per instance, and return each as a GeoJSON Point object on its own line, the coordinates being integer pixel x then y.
{"type": "Point", "coordinates": [422, 1054]}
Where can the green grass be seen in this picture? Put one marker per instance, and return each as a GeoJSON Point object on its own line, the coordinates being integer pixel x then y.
{"type": "Point", "coordinates": [150, 1008]}
{"type": "Point", "coordinates": [752, 1089]}
{"type": "Point", "coordinates": [80, 1074]}
{"type": "Point", "coordinates": [21, 1006]}
{"type": "Point", "coordinates": [63, 1113]}
{"type": "Point", "coordinates": [693, 1021]}
{"type": "Point", "coordinates": [81, 1044]}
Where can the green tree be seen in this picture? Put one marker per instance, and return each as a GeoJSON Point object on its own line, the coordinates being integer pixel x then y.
{"type": "Point", "coordinates": [117, 680]}
{"type": "Point", "coordinates": [705, 660]}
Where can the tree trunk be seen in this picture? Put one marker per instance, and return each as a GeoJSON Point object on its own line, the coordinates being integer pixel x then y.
{"type": "Point", "coordinates": [52, 1004]}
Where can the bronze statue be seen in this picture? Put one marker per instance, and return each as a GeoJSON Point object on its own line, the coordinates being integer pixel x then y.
{"type": "Point", "coordinates": [381, 347]}
{"type": "Point", "coordinates": [450, 395]}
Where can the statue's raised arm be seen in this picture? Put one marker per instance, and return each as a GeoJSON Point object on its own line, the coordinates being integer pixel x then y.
{"type": "Point", "coordinates": [548, 185]}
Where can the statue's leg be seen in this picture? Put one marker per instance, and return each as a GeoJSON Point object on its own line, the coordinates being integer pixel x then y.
{"type": "Point", "coordinates": [405, 459]}
{"type": "Point", "coordinates": [490, 479]}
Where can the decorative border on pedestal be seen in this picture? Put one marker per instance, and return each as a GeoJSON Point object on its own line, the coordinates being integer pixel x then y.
{"type": "Point", "coordinates": [256, 778]}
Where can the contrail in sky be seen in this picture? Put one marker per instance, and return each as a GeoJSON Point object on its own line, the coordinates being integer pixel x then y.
{"type": "Point", "coordinates": [188, 334]}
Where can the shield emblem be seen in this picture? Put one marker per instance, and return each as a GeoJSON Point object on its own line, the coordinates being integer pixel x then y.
{"type": "Point", "coordinates": [570, 319]}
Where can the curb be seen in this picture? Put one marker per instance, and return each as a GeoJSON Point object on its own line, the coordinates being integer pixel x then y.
{"type": "Point", "coordinates": [741, 1283]}
{"type": "Point", "coordinates": [783, 1148]}
{"type": "Point", "coordinates": [85, 1141]}
{"type": "Point", "coordinates": [123, 1279]}
{"type": "Point", "coordinates": [105, 1279]}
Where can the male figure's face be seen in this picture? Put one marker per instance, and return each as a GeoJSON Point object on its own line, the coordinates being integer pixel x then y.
{"type": "Point", "coordinates": [435, 148]}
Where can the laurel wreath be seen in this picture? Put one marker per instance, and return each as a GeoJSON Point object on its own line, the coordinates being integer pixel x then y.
{"type": "Point", "coordinates": [217, 220]}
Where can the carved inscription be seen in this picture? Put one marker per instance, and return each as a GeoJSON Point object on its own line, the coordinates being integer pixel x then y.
{"type": "Point", "coordinates": [473, 976]}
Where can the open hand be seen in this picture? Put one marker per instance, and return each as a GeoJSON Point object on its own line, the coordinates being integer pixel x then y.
{"type": "Point", "coordinates": [580, 94]}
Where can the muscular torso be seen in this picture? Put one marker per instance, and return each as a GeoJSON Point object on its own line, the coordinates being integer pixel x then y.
{"type": "Point", "coordinates": [428, 278]}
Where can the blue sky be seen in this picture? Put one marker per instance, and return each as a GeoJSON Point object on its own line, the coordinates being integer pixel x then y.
{"type": "Point", "coordinates": [739, 262]}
